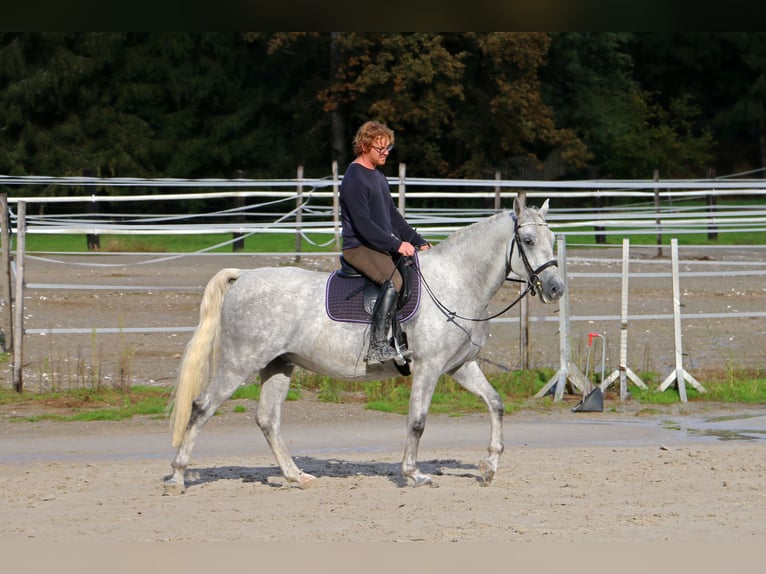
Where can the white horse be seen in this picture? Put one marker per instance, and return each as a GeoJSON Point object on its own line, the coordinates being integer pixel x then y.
{"type": "Point", "coordinates": [267, 321]}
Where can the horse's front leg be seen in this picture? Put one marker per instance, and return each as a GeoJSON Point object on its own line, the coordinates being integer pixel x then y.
{"type": "Point", "coordinates": [276, 383]}
{"type": "Point", "coordinates": [420, 399]}
{"type": "Point", "coordinates": [470, 377]}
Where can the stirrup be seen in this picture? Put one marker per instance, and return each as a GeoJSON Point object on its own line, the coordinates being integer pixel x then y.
{"type": "Point", "coordinates": [380, 353]}
{"type": "Point", "coordinates": [401, 352]}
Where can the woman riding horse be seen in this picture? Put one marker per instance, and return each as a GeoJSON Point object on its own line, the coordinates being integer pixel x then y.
{"type": "Point", "coordinates": [374, 230]}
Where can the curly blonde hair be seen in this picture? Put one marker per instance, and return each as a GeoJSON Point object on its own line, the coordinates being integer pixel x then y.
{"type": "Point", "coordinates": [368, 134]}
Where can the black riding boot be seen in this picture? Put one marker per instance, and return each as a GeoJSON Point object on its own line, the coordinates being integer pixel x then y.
{"type": "Point", "coordinates": [380, 350]}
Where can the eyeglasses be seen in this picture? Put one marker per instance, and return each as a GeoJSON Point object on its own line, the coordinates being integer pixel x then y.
{"type": "Point", "coordinates": [383, 149]}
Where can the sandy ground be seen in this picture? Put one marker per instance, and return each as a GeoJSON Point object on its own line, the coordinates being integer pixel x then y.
{"type": "Point", "coordinates": [684, 474]}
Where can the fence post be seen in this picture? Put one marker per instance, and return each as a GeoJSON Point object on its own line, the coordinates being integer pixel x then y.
{"type": "Point", "coordinates": [657, 212]}
{"type": "Point", "coordinates": [5, 273]}
{"type": "Point", "coordinates": [18, 308]}
{"type": "Point", "coordinates": [402, 188]}
{"type": "Point", "coordinates": [497, 193]}
{"type": "Point", "coordinates": [712, 200]}
{"type": "Point", "coordinates": [598, 203]}
{"type": "Point", "coordinates": [239, 201]}
{"type": "Point", "coordinates": [523, 330]}
{"type": "Point", "coordinates": [298, 214]}
{"type": "Point", "coordinates": [93, 239]}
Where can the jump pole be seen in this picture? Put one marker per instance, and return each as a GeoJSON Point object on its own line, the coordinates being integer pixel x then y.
{"type": "Point", "coordinates": [679, 374]}
{"type": "Point", "coordinates": [567, 370]}
{"type": "Point", "coordinates": [623, 371]}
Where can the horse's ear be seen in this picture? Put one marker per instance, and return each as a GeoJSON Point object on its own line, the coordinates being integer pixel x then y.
{"type": "Point", "coordinates": [544, 208]}
{"type": "Point", "coordinates": [519, 203]}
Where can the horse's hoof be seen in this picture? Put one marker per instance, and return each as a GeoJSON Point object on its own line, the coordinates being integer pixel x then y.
{"type": "Point", "coordinates": [173, 488]}
{"type": "Point", "coordinates": [306, 480]}
{"type": "Point", "coordinates": [486, 472]}
{"type": "Point", "coordinates": [424, 480]}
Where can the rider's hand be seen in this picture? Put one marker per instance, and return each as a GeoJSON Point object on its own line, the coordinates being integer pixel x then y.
{"type": "Point", "coordinates": [406, 249]}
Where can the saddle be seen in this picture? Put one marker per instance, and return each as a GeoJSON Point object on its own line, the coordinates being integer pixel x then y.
{"type": "Point", "coordinates": [350, 297]}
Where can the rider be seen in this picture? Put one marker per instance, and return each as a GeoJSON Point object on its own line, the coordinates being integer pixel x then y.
{"type": "Point", "coordinates": [374, 230]}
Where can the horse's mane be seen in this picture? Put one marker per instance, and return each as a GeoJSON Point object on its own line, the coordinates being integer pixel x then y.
{"type": "Point", "coordinates": [478, 229]}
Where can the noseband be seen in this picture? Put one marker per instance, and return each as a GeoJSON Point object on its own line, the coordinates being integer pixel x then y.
{"type": "Point", "coordinates": [534, 284]}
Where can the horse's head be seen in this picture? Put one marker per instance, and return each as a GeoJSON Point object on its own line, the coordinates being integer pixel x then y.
{"type": "Point", "coordinates": [532, 255]}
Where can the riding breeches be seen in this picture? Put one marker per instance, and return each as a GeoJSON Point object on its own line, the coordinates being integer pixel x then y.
{"type": "Point", "coordinates": [375, 265]}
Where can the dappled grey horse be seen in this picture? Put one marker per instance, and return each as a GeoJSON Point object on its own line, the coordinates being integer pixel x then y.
{"type": "Point", "coordinates": [267, 321]}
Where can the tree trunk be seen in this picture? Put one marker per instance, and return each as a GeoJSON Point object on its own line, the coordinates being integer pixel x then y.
{"type": "Point", "coordinates": [338, 144]}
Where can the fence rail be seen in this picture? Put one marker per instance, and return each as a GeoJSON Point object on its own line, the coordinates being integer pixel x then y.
{"type": "Point", "coordinates": [657, 206]}
{"type": "Point", "coordinates": [658, 210]}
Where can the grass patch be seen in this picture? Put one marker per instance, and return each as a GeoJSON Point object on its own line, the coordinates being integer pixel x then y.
{"type": "Point", "coordinates": [252, 391]}
{"type": "Point", "coordinates": [256, 243]}
{"type": "Point", "coordinates": [101, 404]}
{"type": "Point", "coordinates": [516, 388]}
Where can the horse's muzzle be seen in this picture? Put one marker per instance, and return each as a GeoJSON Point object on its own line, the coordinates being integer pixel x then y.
{"type": "Point", "coordinates": [551, 289]}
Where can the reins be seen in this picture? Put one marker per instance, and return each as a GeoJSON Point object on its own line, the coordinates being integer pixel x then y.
{"type": "Point", "coordinates": [533, 280]}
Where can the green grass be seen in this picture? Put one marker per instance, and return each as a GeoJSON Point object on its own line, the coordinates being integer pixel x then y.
{"type": "Point", "coordinates": [741, 238]}
{"type": "Point", "coordinates": [742, 390]}
{"type": "Point", "coordinates": [650, 238]}
{"type": "Point", "coordinates": [101, 404]}
{"type": "Point", "coordinates": [516, 388]}
{"type": "Point", "coordinates": [259, 242]}
{"type": "Point", "coordinates": [252, 391]}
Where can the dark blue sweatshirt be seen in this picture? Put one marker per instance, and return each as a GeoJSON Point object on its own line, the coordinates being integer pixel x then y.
{"type": "Point", "coordinates": [368, 214]}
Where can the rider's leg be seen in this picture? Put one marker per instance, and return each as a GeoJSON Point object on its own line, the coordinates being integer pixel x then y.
{"type": "Point", "coordinates": [379, 268]}
{"type": "Point", "coordinates": [380, 350]}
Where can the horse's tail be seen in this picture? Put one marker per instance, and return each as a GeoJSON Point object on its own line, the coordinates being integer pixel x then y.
{"type": "Point", "coordinates": [200, 354]}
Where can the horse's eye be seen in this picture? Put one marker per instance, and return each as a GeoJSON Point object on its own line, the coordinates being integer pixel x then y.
{"type": "Point", "coordinates": [529, 242]}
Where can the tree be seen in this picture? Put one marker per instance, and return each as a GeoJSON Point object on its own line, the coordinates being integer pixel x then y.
{"type": "Point", "coordinates": [590, 84]}
{"type": "Point", "coordinates": [505, 115]}
{"type": "Point", "coordinates": [723, 74]}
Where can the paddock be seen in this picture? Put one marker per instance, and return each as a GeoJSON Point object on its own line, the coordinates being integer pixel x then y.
{"type": "Point", "coordinates": [687, 472]}
{"type": "Point", "coordinates": [114, 319]}
{"type": "Point", "coordinates": [123, 318]}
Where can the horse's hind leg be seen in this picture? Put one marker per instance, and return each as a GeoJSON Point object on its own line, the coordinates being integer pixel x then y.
{"type": "Point", "coordinates": [275, 384]}
{"type": "Point", "coordinates": [203, 408]}
{"type": "Point", "coordinates": [472, 379]}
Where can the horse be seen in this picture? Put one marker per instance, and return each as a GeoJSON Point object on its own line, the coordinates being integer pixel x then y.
{"type": "Point", "coordinates": [268, 321]}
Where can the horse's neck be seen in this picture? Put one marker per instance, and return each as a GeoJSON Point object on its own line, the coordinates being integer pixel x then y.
{"type": "Point", "coordinates": [478, 256]}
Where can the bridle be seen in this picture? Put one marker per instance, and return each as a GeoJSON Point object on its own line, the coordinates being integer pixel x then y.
{"type": "Point", "coordinates": [534, 284]}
